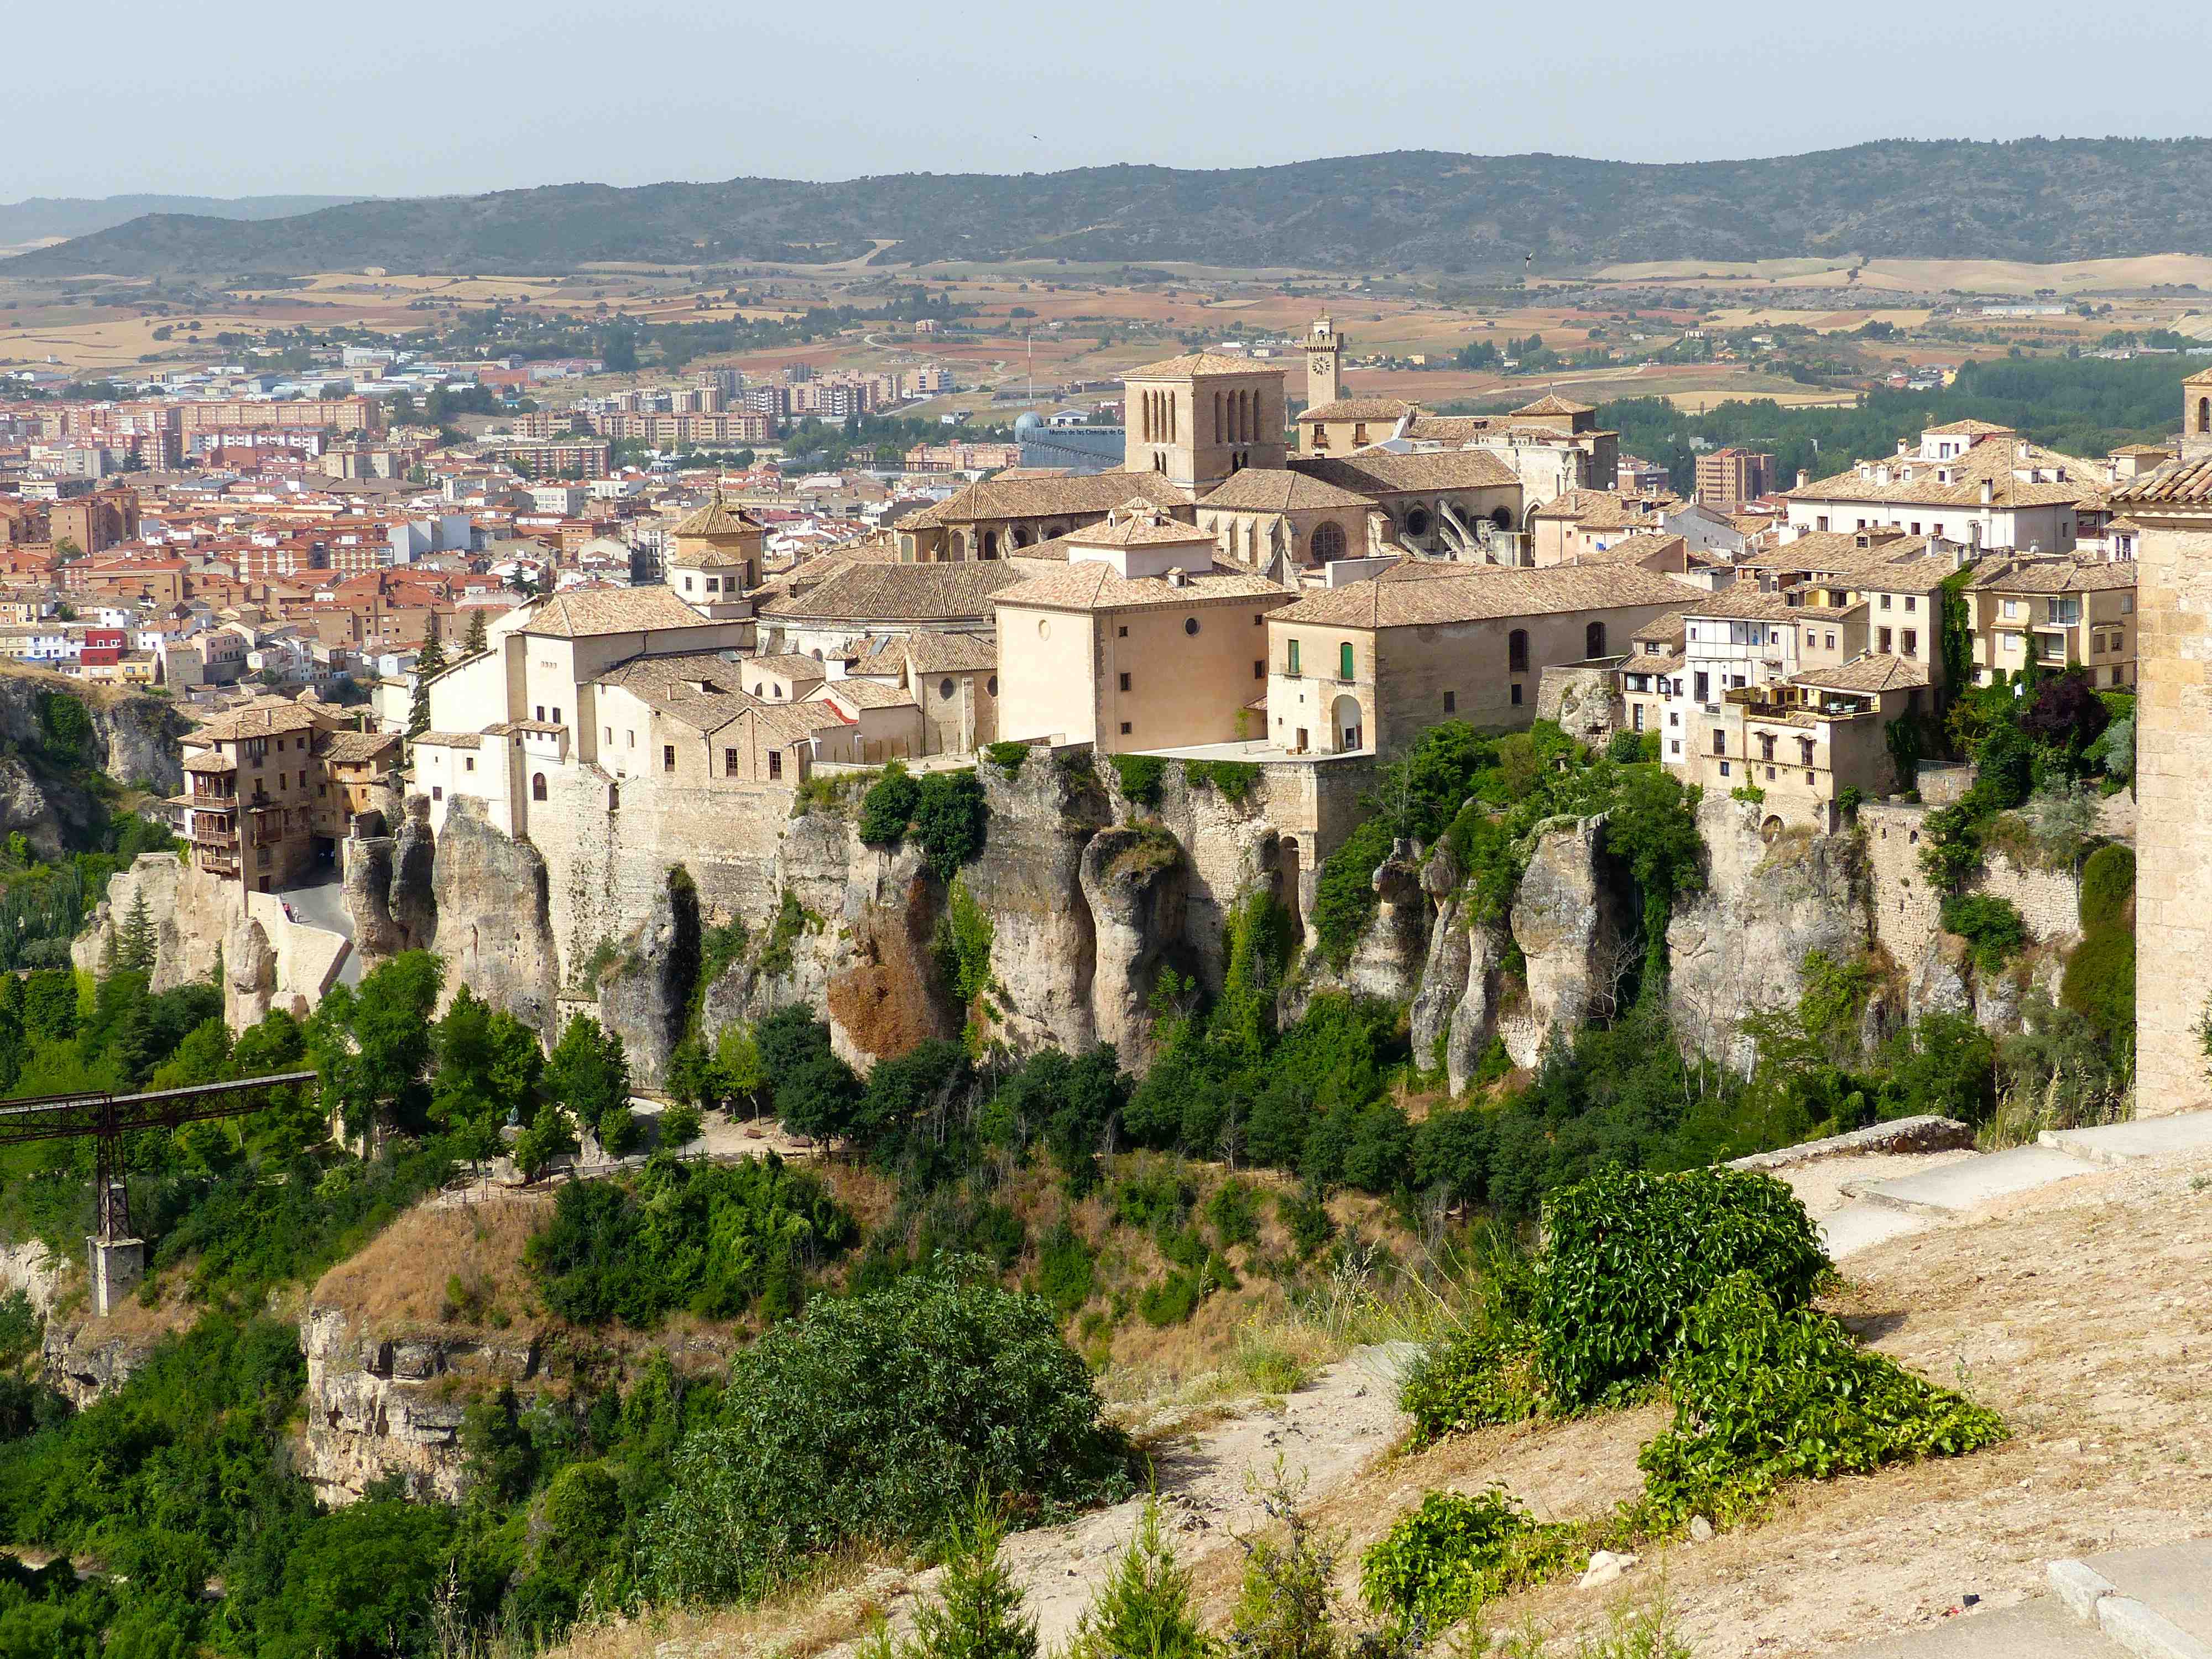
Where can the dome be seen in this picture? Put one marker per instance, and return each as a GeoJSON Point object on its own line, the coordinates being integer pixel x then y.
{"type": "Point", "coordinates": [1029, 421]}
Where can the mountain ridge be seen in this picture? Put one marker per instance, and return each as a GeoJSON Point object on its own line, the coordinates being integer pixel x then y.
{"type": "Point", "coordinates": [2031, 200]}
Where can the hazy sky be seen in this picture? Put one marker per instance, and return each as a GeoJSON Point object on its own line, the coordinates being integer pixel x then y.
{"type": "Point", "coordinates": [406, 97]}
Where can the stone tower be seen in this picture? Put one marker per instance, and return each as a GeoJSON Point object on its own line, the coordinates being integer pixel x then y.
{"type": "Point", "coordinates": [1324, 363]}
{"type": "Point", "coordinates": [2173, 764]}
{"type": "Point", "coordinates": [714, 560]}
{"type": "Point", "coordinates": [1197, 419]}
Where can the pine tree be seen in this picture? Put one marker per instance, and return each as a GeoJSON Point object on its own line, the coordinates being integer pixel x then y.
{"type": "Point", "coordinates": [1144, 1610]}
{"type": "Point", "coordinates": [135, 943]}
{"type": "Point", "coordinates": [427, 664]}
{"type": "Point", "coordinates": [978, 1612]}
{"type": "Point", "coordinates": [478, 638]}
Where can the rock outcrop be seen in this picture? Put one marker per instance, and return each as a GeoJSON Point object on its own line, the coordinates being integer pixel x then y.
{"type": "Point", "coordinates": [494, 922]}
{"type": "Point", "coordinates": [1769, 902]}
{"type": "Point", "coordinates": [1134, 879]}
{"type": "Point", "coordinates": [1571, 920]}
{"type": "Point", "coordinates": [192, 913]}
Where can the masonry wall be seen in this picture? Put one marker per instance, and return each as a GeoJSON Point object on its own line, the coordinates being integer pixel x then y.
{"type": "Point", "coordinates": [1908, 908]}
{"type": "Point", "coordinates": [2173, 870]}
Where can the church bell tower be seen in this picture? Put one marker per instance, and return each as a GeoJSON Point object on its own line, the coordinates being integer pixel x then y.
{"type": "Point", "coordinates": [1324, 352]}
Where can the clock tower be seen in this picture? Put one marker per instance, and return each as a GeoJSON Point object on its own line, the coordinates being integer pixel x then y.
{"type": "Point", "coordinates": [1324, 349]}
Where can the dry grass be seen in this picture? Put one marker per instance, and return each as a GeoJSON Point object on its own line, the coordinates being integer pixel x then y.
{"type": "Point", "coordinates": [407, 1276]}
{"type": "Point", "coordinates": [835, 1604]}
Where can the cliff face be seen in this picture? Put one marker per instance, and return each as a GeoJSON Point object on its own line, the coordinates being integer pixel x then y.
{"type": "Point", "coordinates": [133, 740]}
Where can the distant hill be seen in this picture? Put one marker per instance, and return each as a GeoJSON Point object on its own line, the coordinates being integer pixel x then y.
{"type": "Point", "coordinates": [2035, 199]}
{"type": "Point", "coordinates": [42, 217]}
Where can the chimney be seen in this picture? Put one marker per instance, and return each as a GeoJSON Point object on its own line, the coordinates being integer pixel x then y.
{"type": "Point", "coordinates": [1989, 492]}
{"type": "Point", "coordinates": [1803, 477]}
{"type": "Point", "coordinates": [1900, 446]}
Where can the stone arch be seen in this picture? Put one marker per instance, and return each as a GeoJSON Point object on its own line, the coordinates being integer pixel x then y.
{"type": "Point", "coordinates": [1327, 541]}
{"type": "Point", "coordinates": [2205, 416]}
{"type": "Point", "coordinates": [614, 797]}
{"type": "Point", "coordinates": [1287, 877]}
{"type": "Point", "coordinates": [1501, 518]}
{"type": "Point", "coordinates": [537, 786]}
{"type": "Point", "coordinates": [1517, 652]}
{"type": "Point", "coordinates": [1594, 640]}
{"type": "Point", "coordinates": [1417, 520]}
{"type": "Point", "coordinates": [990, 543]}
{"type": "Point", "coordinates": [1022, 537]}
{"type": "Point", "coordinates": [1346, 726]}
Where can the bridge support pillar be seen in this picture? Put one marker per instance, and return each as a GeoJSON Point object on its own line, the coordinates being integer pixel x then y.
{"type": "Point", "coordinates": [117, 1265]}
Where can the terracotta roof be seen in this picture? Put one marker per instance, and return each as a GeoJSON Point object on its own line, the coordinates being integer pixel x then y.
{"type": "Point", "coordinates": [1378, 472]}
{"type": "Point", "coordinates": [1752, 606]}
{"type": "Point", "coordinates": [1360, 408]}
{"type": "Point", "coordinates": [1633, 550]}
{"type": "Point", "coordinates": [1094, 584]}
{"type": "Point", "coordinates": [792, 665]}
{"type": "Point", "coordinates": [585, 612]}
{"type": "Point", "coordinates": [262, 718]}
{"type": "Point", "coordinates": [1270, 490]}
{"type": "Point", "coordinates": [1486, 592]}
{"type": "Point", "coordinates": [863, 694]}
{"type": "Point", "coordinates": [699, 688]}
{"type": "Point", "coordinates": [1450, 429]}
{"type": "Point", "coordinates": [210, 763]}
{"type": "Point", "coordinates": [450, 740]}
{"type": "Point", "coordinates": [1971, 429]}
{"type": "Point", "coordinates": [1871, 672]}
{"type": "Point", "coordinates": [1044, 498]}
{"type": "Point", "coordinates": [2178, 483]}
{"type": "Point", "coordinates": [716, 520]}
{"type": "Point", "coordinates": [353, 748]}
{"type": "Point", "coordinates": [2054, 576]}
{"type": "Point", "coordinates": [1667, 628]}
{"type": "Point", "coordinates": [1996, 461]}
{"type": "Point", "coordinates": [1836, 549]}
{"type": "Point", "coordinates": [902, 592]}
{"type": "Point", "coordinates": [1143, 527]}
{"type": "Point", "coordinates": [1200, 362]}
{"type": "Point", "coordinates": [940, 654]}
{"type": "Point", "coordinates": [1605, 510]}
{"type": "Point", "coordinates": [1553, 403]}
{"type": "Point", "coordinates": [703, 558]}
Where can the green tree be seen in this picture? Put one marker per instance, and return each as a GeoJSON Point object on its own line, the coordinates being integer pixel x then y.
{"type": "Point", "coordinates": [589, 1074]}
{"type": "Point", "coordinates": [477, 639]}
{"type": "Point", "coordinates": [428, 664]}
{"type": "Point", "coordinates": [1145, 1610]}
{"type": "Point", "coordinates": [978, 1611]}
{"type": "Point", "coordinates": [135, 943]}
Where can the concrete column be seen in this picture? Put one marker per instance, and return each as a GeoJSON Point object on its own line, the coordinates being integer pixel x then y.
{"type": "Point", "coordinates": [117, 1265]}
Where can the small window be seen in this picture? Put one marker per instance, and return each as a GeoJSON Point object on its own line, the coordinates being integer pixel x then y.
{"type": "Point", "coordinates": [557, 714]}
{"type": "Point", "coordinates": [991, 685]}
{"type": "Point", "coordinates": [945, 687]}
{"type": "Point", "coordinates": [1190, 624]}
{"type": "Point", "coordinates": [1260, 669]}
{"type": "Point", "coordinates": [1911, 602]}
{"type": "Point", "coordinates": [537, 786]}
{"type": "Point", "coordinates": [1125, 728]}
{"type": "Point", "coordinates": [1125, 682]}
{"type": "Point", "coordinates": [1344, 661]}
{"type": "Point", "coordinates": [1291, 658]}
{"type": "Point", "coordinates": [468, 762]}
{"type": "Point", "coordinates": [1259, 618]}
{"type": "Point", "coordinates": [1516, 695]}
{"type": "Point", "coordinates": [632, 736]}
{"type": "Point", "coordinates": [610, 733]}
{"type": "Point", "coordinates": [729, 763]}
{"type": "Point", "coordinates": [668, 757]}
{"type": "Point", "coordinates": [1122, 632]}
{"type": "Point", "coordinates": [541, 714]}
{"type": "Point", "coordinates": [437, 792]}
{"type": "Point", "coordinates": [1451, 704]}
{"type": "Point", "coordinates": [1724, 769]}
{"type": "Point", "coordinates": [775, 763]}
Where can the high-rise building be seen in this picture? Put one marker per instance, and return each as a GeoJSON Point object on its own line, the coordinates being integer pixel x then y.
{"type": "Point", "coordinates": [1727, 479]}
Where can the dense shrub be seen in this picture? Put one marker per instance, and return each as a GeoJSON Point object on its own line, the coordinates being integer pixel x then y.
{"type": "Point", "coordinates": [1990, 924]}
{"type": "Point", "coordinates": [1630, 1254]}
{"type": "Point", "coordinates": [880, 1417]}
{"type": "Point", "coordinates": [888, 807]}
{"type": "Point", "coordinates": [1006, 757]}
{"type": "Point", "coordinates": [710, 1238]}
{"type": "Point", "coordinates": [948, 818]}
{"type": "Point", "coordinates": [1765, 1393]}
{"type": "Point", "coordinates": [1233, 781]}
{"type": "Point", "coordinates": [1140, 777]}
{"type": "Point", "coordinates": [1456, 1552]}
{"type": "Point", "coordinates": [1344, 893]}
{"type": "Point", "coordinates": [2108, 888]}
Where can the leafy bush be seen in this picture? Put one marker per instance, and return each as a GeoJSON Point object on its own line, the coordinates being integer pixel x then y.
{"type": "Point", "coordinates": [1344, 892]}
{"type": "Point", "coordinates": [880, 1417]}
{"type": "Point", "coordinates": [1145, 1609]}
{"type": "Point", "coordinates": [1990, 924]}
{"type": "Point", "coordinates": [1624, 748]}
{"type": "Point", "coordinates": [1233, 781]}
{"type": "Point", "coordinates": [1765, 1393]}
{"type": "Point", "coordinates": [1140, 777]}
{"type": "Point", "coordinates": [711, 1238]}
{"type": "Point", "coordinates": [888, 807]}
{"type": "Point", "coordinates": [1172, 1300]}
{"type": "Point", "coordinates": [1455, 1553]}
{"type": "Point", "coordinates": [2108, 887]}
{"type": "Point", "coordinates": [949, 819]}
{"type": "Point", "coordinates": [962, 946]}
{"type": "Point", "coordinates": [1006, 757]}
{"type": "Point", "coordinates": [1485, 1375]}
{"type": "Point", "coordinates": [1631, 1253]}
{"type": "Point", "coordinates": [1233, 1213]}
{"type": "Point", "coordinates": [1066, 1268]}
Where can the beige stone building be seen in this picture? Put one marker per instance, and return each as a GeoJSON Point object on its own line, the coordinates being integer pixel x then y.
{"type": "Point", "coordinates": [272, 788]}
{"type": "Point", "coordinates": [1581, 522]}
{"type": "Point", "coordinates": [1139, 643]}
{"type": "Point", "coordinates": [2054, 613]}
{"type": "Point", "coordinates": [1268, 520]}
{"type": "Point", "coordinates": [712, 560]}
{"type": "Point", "coordinates": [2173, 760]}
{"type": "Point", "coordinates": [1801, 741]}
{"type": "Point", "coordinates": [1373, 664]}
{"type": "Point", "coordinates": [998, 517]}
{"type": "Point", "coordinates": [1197, 418]}
{"type": "Point", "coordinates": [1968, 482]}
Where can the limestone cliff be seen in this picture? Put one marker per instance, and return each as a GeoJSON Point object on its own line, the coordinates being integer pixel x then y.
{"type": "Point", "coordinates": [44, 793]}
{"type": "Point", "coordinates": [493, 923]}
{"type": "Point", "coordinates": [192, 912]}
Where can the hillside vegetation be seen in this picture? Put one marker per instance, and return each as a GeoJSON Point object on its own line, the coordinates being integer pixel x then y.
{"type": "Point", "coordinates": [2033, 199]}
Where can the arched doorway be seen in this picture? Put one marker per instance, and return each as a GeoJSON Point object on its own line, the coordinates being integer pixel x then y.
{"type": "Point", "coordinates": [1594, 640]}
{"type": "Point", "coordinates": [1344, 725]}
{"type": "Point", "coordinates": [990, 543]}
